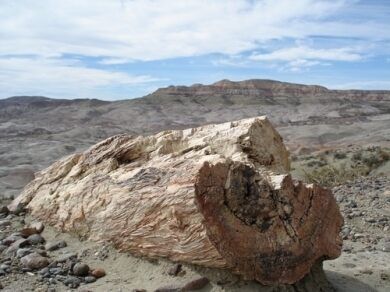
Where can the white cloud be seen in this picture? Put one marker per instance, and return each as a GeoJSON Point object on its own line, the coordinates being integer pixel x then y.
{"type": "Point", "coordinates": [372, 84]}
{"type": "Point", "coordinates": [115, 61]}
{"type": "Point", "coordinates": [307, 53]}
{"type": "Point", "coordinates": [154, 29]}
{"type": "Point", "coordinates": [125, 31]}
{"type": "Point", "coordinates": [59, 78]}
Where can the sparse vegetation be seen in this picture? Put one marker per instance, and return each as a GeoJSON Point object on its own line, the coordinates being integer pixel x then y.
{"type": "Point", "coordinates": [340, 155]}
{"type": "Point", "coordinates": [331, 175]}
{"type": "Point", "coordinates": [327, 172]}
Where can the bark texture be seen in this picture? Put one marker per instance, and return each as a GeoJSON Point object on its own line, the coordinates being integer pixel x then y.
{"type": "Point", "coordinates": [217, 196]}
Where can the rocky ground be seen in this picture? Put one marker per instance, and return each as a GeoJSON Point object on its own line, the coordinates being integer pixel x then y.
{"type": "Point", "coordinates": [48, 260]}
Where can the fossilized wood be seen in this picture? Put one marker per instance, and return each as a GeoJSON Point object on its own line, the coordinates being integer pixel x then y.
{"type": "Point", "coordinates": [217, 196]}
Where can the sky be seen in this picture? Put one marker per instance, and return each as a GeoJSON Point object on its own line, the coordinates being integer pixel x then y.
{"type": "Point", "coordinates": [119, 49]}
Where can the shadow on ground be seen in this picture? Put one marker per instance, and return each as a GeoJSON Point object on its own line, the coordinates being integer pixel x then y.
{"type": "Point", "coordinates": [344, 283]}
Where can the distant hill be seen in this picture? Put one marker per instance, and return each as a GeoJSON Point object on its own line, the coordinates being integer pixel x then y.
{"type": "Point", "coordinates": [34, 131]}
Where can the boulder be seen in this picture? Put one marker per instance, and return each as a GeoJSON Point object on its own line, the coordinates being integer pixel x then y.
{"type": "Point", "coordinates": [218, 196]}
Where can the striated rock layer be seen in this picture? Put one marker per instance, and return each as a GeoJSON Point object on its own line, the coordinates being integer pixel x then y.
{"type": "Point", "coordinates": [217, 196]}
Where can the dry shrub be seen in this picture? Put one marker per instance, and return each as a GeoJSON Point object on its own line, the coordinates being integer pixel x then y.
{"type": "Point", "coordinates": [329, 176]}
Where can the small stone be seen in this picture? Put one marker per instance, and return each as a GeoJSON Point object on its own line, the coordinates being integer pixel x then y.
{"type": "Point", "coordinates": [72, 282]}
{"type": "Point", "coordinates": [196, 284]}
{"type": "Point", "coordinates": [44, 271]}
{"type": "Point", "coordinates": [5, 223]}
{"type": "Point", "coordinates": [51, 246]}
{"type": "Point", "coordinates": [358, 235]}
{"type": "Point", "coordinates": [39, 227]}
{"type": "Point", "coordinates": [370, 220]}
{"type": "Point", "coordinates": [35, 239]}
{"type": "Point", "coordinates": [98, 273]}
{"type": "Point", "coordinates": [41, 252]}
{"type": "Point", "coordinates": [27, 231]}
{"type": "Point", "coordinates": [138, 290]}
{"type": "Point", "coordinates": [89, 279]}
{"type": "Point", "coordinates": [170, 288]}
{"type": "Point", "coordinates": [66, 257]}
{"type": "Point", "coordinates": [34, 261]}
{"type": "Point", "coordinates": [351, 204]}
{"type": "Point", "coordinates": [386, 247]}
{"type": "Point", "coordinates": [56, 271]}
{"type": "Point", "coordinates": [80, 269]}
{"type": "Point", "coordinates": [4, 267]}
{"type": "Point", "coordinates": [4, 210]}
{"type": "Point", "coordinates": [61, 278]}
{"type": "Point", "coordinates": [21, 252]}
{"type": "Point", "coordinates": [173, 271]}
{"type": "Point", "coordinates": [11, 250]}
{"type": "Point", "coordinates": [11, 238]}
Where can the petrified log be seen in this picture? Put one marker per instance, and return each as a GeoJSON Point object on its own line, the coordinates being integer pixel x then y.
{"type": "Point", "coordinates": [217, 196]}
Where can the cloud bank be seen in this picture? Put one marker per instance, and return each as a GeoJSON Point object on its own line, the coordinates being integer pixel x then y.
{"type": "Point", "coordinates": [40, 41]}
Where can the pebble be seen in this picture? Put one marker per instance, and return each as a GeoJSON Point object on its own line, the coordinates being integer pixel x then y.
{"type": "Point", "coordinates": [358, 235]}
{"type": "Point", "coordinates": [16, 245]}
{"type": "Point", "coordinates": [61, 278]}
{"type": "Point", "coordinates": [351, 204]}
{"type": "Point", "coordinates": [98, 273]}
{"type": "Point", "coordinates": [72, 282]}
{"type": "Point", "coordinates": [67, 256]}
{"type": "Point", "coordinates": [173, 271]}
{"type": "Point", "coordinates": [44, 271]}
{"type": "Point", "coordinates": [370, 220]}
{"type": "Point", "coordinates": [196, 284]}
{"type": "Point", "coordinates": [80, 269]}
{"type": "Point", "coordinates": [35, 239]}
{"type": "Point", "coordinates": [89, 279]}
{"type": "Point", "coordinates": [171, 288]}
{"type": "Point", "coordinates": [11, 238]}
{"type": "Point", "coordinates": [34, 261]}
{"type": "Point", "coordinates": [56, 271]}
{"type": "Point", "coordinates": [5, 223]}
{"type": "Point", "coordinates": [51, 246]}
{"type": "Point", "coordinates": [39, 227]}
{"type": "Point", "coordinates": [21, 252]}
{"type": "Point", "coordinates": [27, 231]}
{"type": "Point", "coordinates": [386, 247]}
{"type": "Point", "coordinates": [4, 210]}
{"type": "Point", "coordinates": [4, 267]}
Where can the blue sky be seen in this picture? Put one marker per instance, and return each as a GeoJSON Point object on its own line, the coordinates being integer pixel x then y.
{"type": "Point", "coordinates": [117, 49]}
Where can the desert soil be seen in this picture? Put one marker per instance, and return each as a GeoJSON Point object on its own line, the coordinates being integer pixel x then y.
{"type": "Point", "coordinates": [363, 266]}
